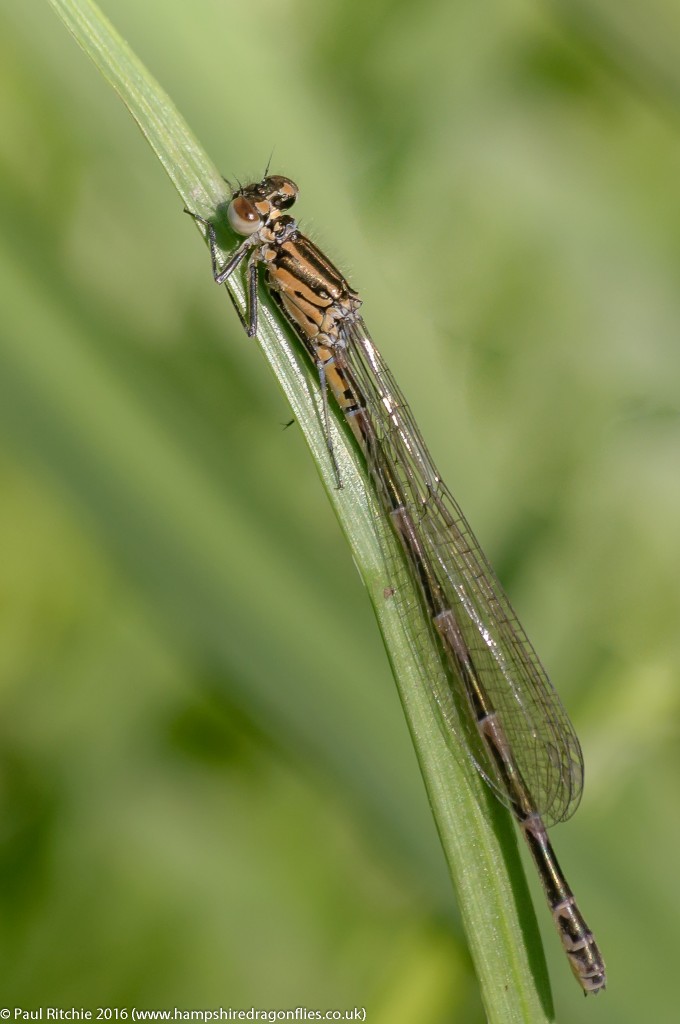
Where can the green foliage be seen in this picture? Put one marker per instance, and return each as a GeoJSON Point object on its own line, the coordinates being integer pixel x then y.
{"type": "Point", "coordinates": [209, 795]}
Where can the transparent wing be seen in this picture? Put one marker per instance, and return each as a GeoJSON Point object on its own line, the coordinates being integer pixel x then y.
{"type": "Point", "coordinates": [535, 723]}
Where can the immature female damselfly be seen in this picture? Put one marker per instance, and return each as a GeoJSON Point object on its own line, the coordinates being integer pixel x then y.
{"type": "Point", "coordinates": [496, 695]}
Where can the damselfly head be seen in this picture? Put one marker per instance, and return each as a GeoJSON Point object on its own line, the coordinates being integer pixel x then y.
{"type": "Point", "coordinates": [253, 205]}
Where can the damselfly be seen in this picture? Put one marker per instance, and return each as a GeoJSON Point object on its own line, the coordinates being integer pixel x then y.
{"type": "Point", "coordinates": [496, 693]}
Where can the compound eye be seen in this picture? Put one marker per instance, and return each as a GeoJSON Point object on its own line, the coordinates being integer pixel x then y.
{"type": "Point", "coordinates": [243, 217]}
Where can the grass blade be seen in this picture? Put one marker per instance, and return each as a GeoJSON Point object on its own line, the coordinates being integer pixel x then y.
{"type": "Point", "coordinates": [476, 833]}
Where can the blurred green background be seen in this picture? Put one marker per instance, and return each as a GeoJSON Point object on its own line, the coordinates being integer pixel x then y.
{"type": "Point", "coordinates": [208, 794]}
